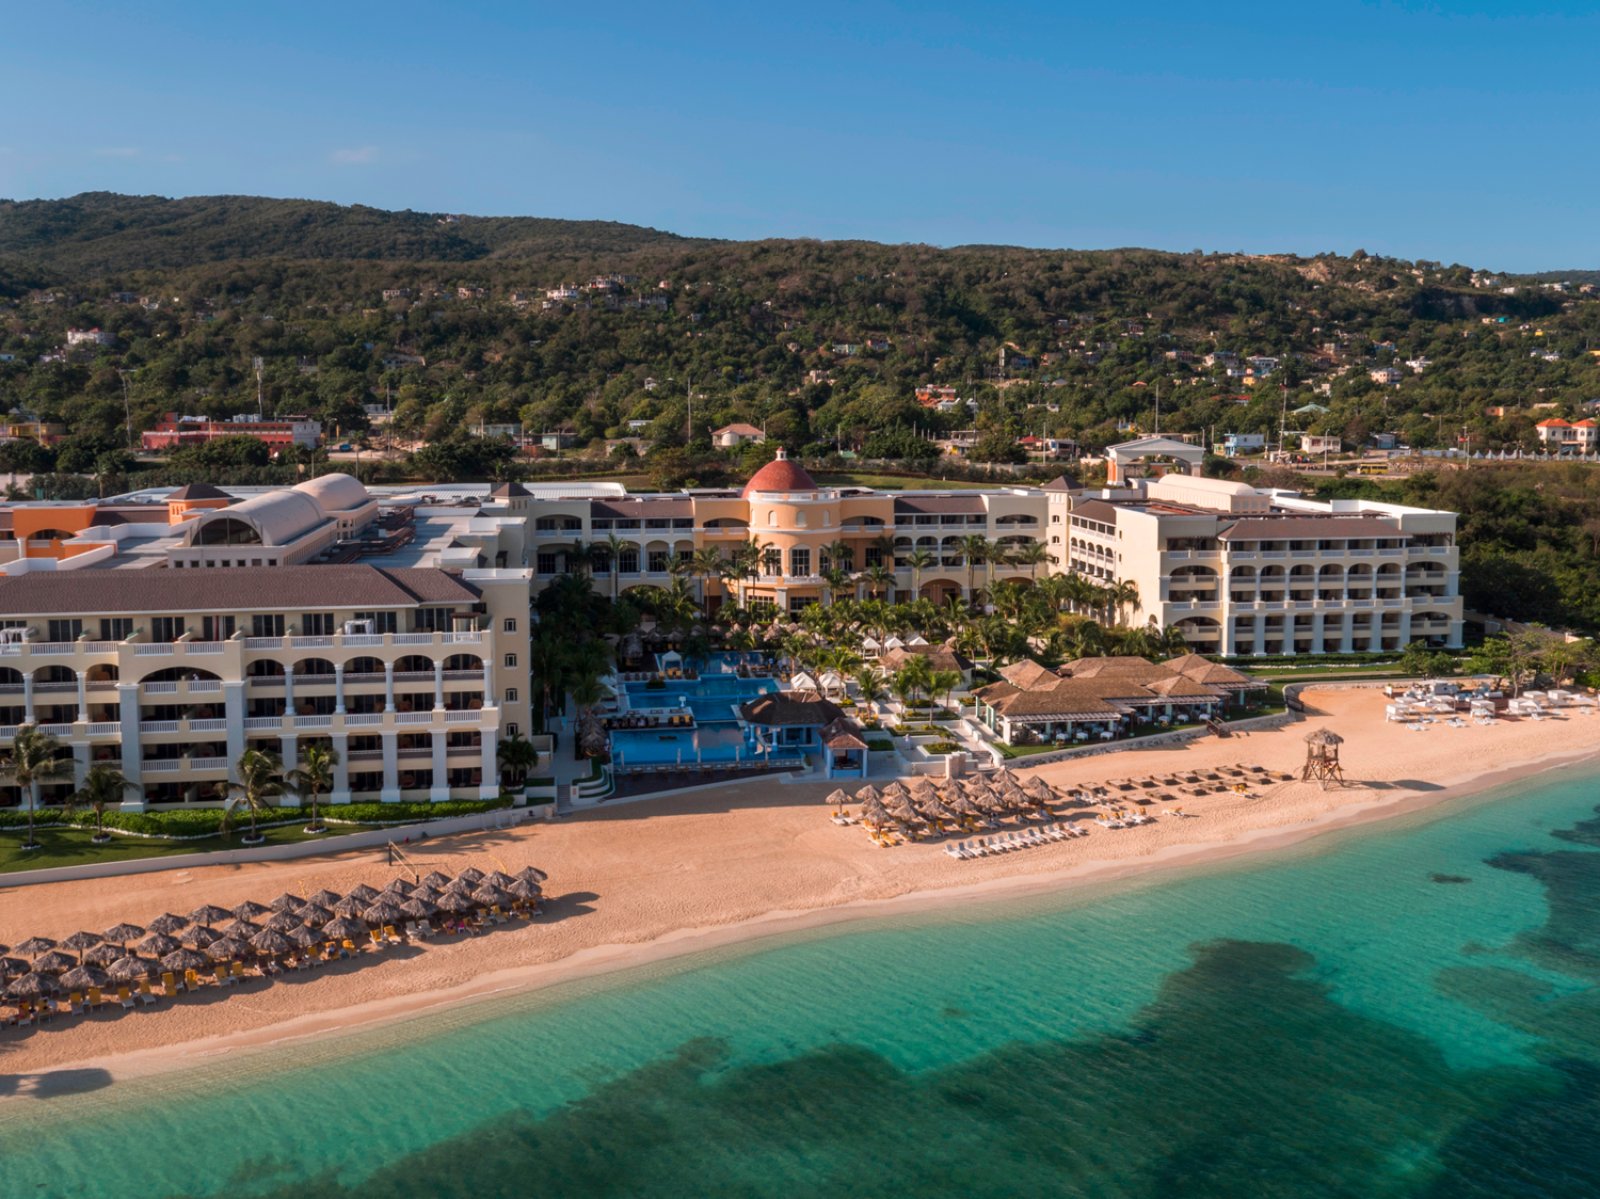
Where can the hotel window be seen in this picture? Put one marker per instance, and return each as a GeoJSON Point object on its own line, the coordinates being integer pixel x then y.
{"type": "Point", "coordinates": [267, 626]}
{"type": "Point", "coordinates": [771, 561]}
{"type": "Point", "coordinates": [659, 560]}
{"type": "Point", "coordinates": [116, 628]}
{"type": "Point", "coordinates": [800, 561]}
{"type": "Point", "coordinates": [511, 624]}
{"type": "Point", "coordinates": [511, 730]}
{"type": "Point", "coordinates": [318, 624]}
{"type": "Point", "coordinates": [511, 661]}
{"type": "Point", "coordinates": [874, 557]}
{"type": "Point", "coordinates": [216, 628]}
{"type": "Point", "coordinates": [511, 695]}
{"type": "Point", "coordinates": [64, 630]}
{"type": "Point", "coordinates": [382, 622]}
{"type": "Point", "coordinates": [166, 628]}
{"type": "Point", "coordinates": [545, 562]}
{"type": "Point", "coordinates": [686, 556]}
{"type": "Point", "coordinates": [799, 520]}
{"type": "Point", "coordinates": [628, 561]}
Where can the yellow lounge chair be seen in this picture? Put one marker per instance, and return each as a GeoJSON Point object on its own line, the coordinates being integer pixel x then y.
{"type": "Point", "coordinates": [74, 1002]}
{"type": "Point", "coordinates": [390, 935]}
{"type": "Point", "coordinates": [191, 979]}
{"type": "Point", "coordinates": [124, 996]}
{"type": "Point", "coordinates": [146, 995]}
{"type": "Point", "coordinates": [236, 970]}
{"type": "Point", "coordinates": [95, 997]}
{"type": "Point", "coordinates": [220, 973]}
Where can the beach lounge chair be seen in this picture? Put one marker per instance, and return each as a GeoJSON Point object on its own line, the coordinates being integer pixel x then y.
{"type": "Point", "coordinates": [191, 979]}
{"type": "Point", "coordinates": [96, 998]}
{"type": "Point", "coordinates": [390, 935]}
{"type": "Point", "coordinates": [220, 973]}
{"type": "Point", "coordinates": [74, 1002]}
{"type": "Point", "coordinates": [125, 997]}
{"type": "Point", "coordinates": [146, 995]}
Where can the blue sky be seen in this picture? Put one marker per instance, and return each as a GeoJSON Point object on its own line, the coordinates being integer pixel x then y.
{"type": "Point", "coordinates": [1464, 132]}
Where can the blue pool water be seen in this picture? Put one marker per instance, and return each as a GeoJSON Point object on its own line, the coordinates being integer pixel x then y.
{"type": "Point", "coordinates": [1404, 1012]}
{"type": "Point", "coordinates": [714, 699]}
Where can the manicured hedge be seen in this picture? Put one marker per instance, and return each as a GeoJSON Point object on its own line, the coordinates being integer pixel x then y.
{"type": "Point", "coordinates": [203, 822]}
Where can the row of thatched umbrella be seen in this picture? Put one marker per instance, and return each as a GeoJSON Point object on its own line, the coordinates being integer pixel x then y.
{"type": "Point", "coordinates": [922, 801]}
{"type": "Point", "coordinates": [182, 943]}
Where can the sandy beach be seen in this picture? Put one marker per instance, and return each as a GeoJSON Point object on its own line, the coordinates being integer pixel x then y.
{"type": "Point", "coordinates": [644, 880]}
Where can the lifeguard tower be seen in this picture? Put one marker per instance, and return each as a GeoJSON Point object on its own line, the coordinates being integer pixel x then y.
{"type": "Point", "coordinates": [1322, 758]}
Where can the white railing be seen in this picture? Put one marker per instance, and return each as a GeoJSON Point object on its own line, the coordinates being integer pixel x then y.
{"type": "Point", "coordinates": [204, 647]}
{"type": "Point", "coordinates": [263, 642]}
{"type": "Point", "coordinates": [154, 650]}
{"type": "Point", "coordinates": [313, 722]}
{"type": "Point", "coordinates": [413, 717]}
{"type": "Point", "coordinates": [102, 728]}
{"type": "Point", "coordinates": [363, 718]}
{"type": "Point", "coordinates": [45, 648]}
{"type": "Point", "coordinates": [465, 637]}
{"type": "Point", "coordinates": [161, 688]}
{"type": "Point", "coordinates": [56, 730]}
{"type": "Point", "coordinates": [208, 763]}
{"type": "Point", "coordinates": [158, 726]}
{"type": "Point", "coordinates": [261, 723]}
{"type": "Point", "coordinates": [413, 638]}
{"type": "Point", "coordinates": [205, 685]}
{"type": "Point", "coordinates": [208, 725]}
{"type": "Point", "coordinates": [469, 716]}
{"type": "Point", "coordinates": [161, 765]}
{"type": "Point", "coordinates": [362, 640]}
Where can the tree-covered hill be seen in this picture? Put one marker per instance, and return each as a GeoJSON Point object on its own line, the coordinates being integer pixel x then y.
{"type": "Point", "coordinates": [100, 232]}
{"type": "Point", "coordinates": [602, 330]}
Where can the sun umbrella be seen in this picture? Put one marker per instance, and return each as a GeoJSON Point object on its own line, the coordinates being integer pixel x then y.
{"type": "Point", "coordinates": [185, 959]}
{"type": "Point", "coordinates": [351, 906]}
{"type": "Point", "coordinates": [382, 912]}
{"type": "Point", "coordinates": [343, 928]}
{"type": "Point", "coordinates": [534, 873]}
{"type": "Point", "coordinates": [31, 986]}
{"type": "Point", "coordinates": [404, 885]}
{"type": "Point", "coordinates": [837, 798]}
{"type": "Point", "coordinates": [489, 896]}
{"type": "Point", "coordinates": [157, 944]}
{"type": "Point", "coordinates": [249, 910]}
{"type": "Point", "coordinates": [5, 948]}
{"type": "Point", "coordinates": [454, 901]}
{"type": "Point", "coordinates": [199, 936]}
{"type": "Point", "coordinates": [242, 930]}
{"type": "Point", "coordinates": [208, 914]}
{"type": "Point", "coordinates": [872, 809]}
{"type": "Point", "coordinates": [931, 808]}
{"type": "Point", "coordinates": [102, 954]}
{"type": "Point", "coordinates": [84, 977]}
{"type": "Point", "coordinates": [34, 946]}
{"type": "Point", "coordinates": [270, 940]}
{"type": "Point", "coordinates": [901, 809]}
{"type": "Point", "coordinates": [499, 878]}
{"type": "Point", "coordinates": [287, 902]}
{"type": "Point", "coordinates": [283, 921]}
{"type": "Point", "coordinates": [167, 923]}
{"type": "Point", "coordinates": [363, 892]}
{"type": "Point", "coordinates": [869, 792]}
{"type": "Point", "coordinates": [473, 875]}
{"type": "Point", "coordinates": [129, 969]}
{"type": "Point", "coordinates": [314, 913]}
{"type": "Point", "coordinates": [54, 962]}
{"type": "Point", "coordinates": [959, 803]}
{"type": "Point", "coordinates": [225, 949]}
{"type": "Point", "coordinates": [524, 888]}
{"type": "Point", "coordinates": [426, 892]}
{"type": "Point", "coordinates": [13, 967]}
{"type": "Point", "coordinates": [305, 936]}
{"type": "Point", "coordinates": [460, 886]}
{"type": "Point", "coordinates": [436, 878]}
{"type": "Point", "coordinates": [418, 909]}
{"type": "Point", "coordinates": [121, 934]}
{"type": "Point", "coordinates": [894, 790]}
{"type": "Point", "coordinates": [921, 785]}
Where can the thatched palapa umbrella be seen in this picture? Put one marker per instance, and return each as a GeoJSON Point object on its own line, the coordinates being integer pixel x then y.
{"type": "Point", "coordinates": [382, 912]}
{"type": "Point", "coordinates": [34, 946]}
{"type": "Point", "coordinates": [473, 875]}
{"type": "Point", "coordinates": [363, 892]}
{"type": "Point", "coordinates": [167, 923]}
{"type": "Point", "coordinates": [130, 969]}
{"type": "Point", "coordinates": [180, 960]}
{"type": "Point", "coordinates": [226, 949]}
{"type": "Point", "coordinates": [344, 928]}
{"type": "Point", "coordinates": [158, 944]}
{"type": "Point", "coordinates": [80, 941]}
{"type": "Point", "coordinates": [305, 936]}
{"type": "Point", "coordinates": [872, 809]}
{"type": "Point", "coordinates": [499, 878]}
{"type": "Point", "coordinates": [32, 986]}
{"type": "Point", "coordinates": [351, 906]}
{"type": "Point", "coordinates": [199, 936]}
{"type": "Point", "coordinates": [102, 954]}
{"type": "Point", "coordinates": [490, 896]}
{"type": "Point", "coordinates": [81, 978]}
{"type": "Point", "coordinates": [242, 930]}
{"type": "Point", "coordinates": [838, 798]}
{"type": "Point", "coordinates": [534, 873]}
{"type": "Point", "coordinates": [249, 910]}
{"type": "Point", "coordinates": [402, 886]}
{"type": "Point", "coordinates": [121, 934]}
{"type": "Point", "coordinates": [932, 808]}
{"type": "Point", "coordinates": [418, 909]}
{"type": "Point", "coordinates": [13, 968]}
{"type": "Point", "coordinates": [454, 901]}
{"type": "Point", "coordinates": [271, 941]}
{"type": "Point", "coordinates": [208, 914]}
{"type": "Point", "coordinates": [894, 790]}
{"type": "Point", "coordinates": [314, 913]}
{"type": "Point", "coordinates": [523, 888]}
{"type": "Point", "coordinates": [56, 961]}
{"type": "Point", "coordinates": [324, 898]}
{"type": "Point", "coordinates": [287, 902]}
{"type": "Point", "coordinates": [901, 808]}
{"type": "Point", "coordinates": [282, 920]}
{"type": "Point", "coordinates": [436, 878]}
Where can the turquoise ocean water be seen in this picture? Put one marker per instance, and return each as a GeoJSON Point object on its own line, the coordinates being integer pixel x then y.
{"type": "Point", "coordinates": [1404, 1010]}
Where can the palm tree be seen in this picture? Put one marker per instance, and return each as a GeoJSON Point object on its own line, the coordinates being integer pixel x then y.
{"type": "Point", "coordinates": [102, 787]}
{"type": "Point", "coordinates": [943, 682]}
{"type": "Point", "coordinates": [744, 564]}
{"type": "Point", "coordinates": [1122, 595]}
{"type": "Point", "coordinates": [835, 580]}
{"type": "Point", "coordinates": [35, 759]}
{"type": "Point", "coordinates": [998, 554]}
{"type": "Point", "coordinates": [869, 684]}
{"type": "Point", "coordinates": [610, 551]}
{"type": "Point", "coordinates": [1031, 554]}
{"type": "Point", "coordinates": [315, 776]}
{"type": "Point", "coordinates": [975, 549]}
{"type": "Point", "coordinates": [707, 564]}
{"type": "Point", "coordinates": [879, 577]}
{"type": "Point", "coordinates": [517, 757]}
{"type": "Point", "coordinates": [919, 560]}
{"type": "Point", "coordinates": [259, 785]}
{"type": "Point", "coordinates": [839, 554]}
{"type": "Point", "coordinates": [916, 675]}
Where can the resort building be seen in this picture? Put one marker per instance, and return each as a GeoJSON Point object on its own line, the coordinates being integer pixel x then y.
{"type": "Point", "coordinates": [1101, 699]}
{"type": "Point", "coordinates": [1243, 571]}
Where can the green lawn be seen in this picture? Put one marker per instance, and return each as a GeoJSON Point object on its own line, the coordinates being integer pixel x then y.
{"type": "Point", "coordinates": [72, 847]}
{"type": "Point", "coordinates": [853, 478]}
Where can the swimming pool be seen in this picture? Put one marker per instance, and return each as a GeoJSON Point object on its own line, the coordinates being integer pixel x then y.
{"type": "Point", "coordinates": [710, 697]}
{"type": "Point", "coordinates": [686, 747]}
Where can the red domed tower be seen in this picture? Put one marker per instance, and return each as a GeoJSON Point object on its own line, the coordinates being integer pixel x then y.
{"type": "Point", "coordinates": [780, 475]}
